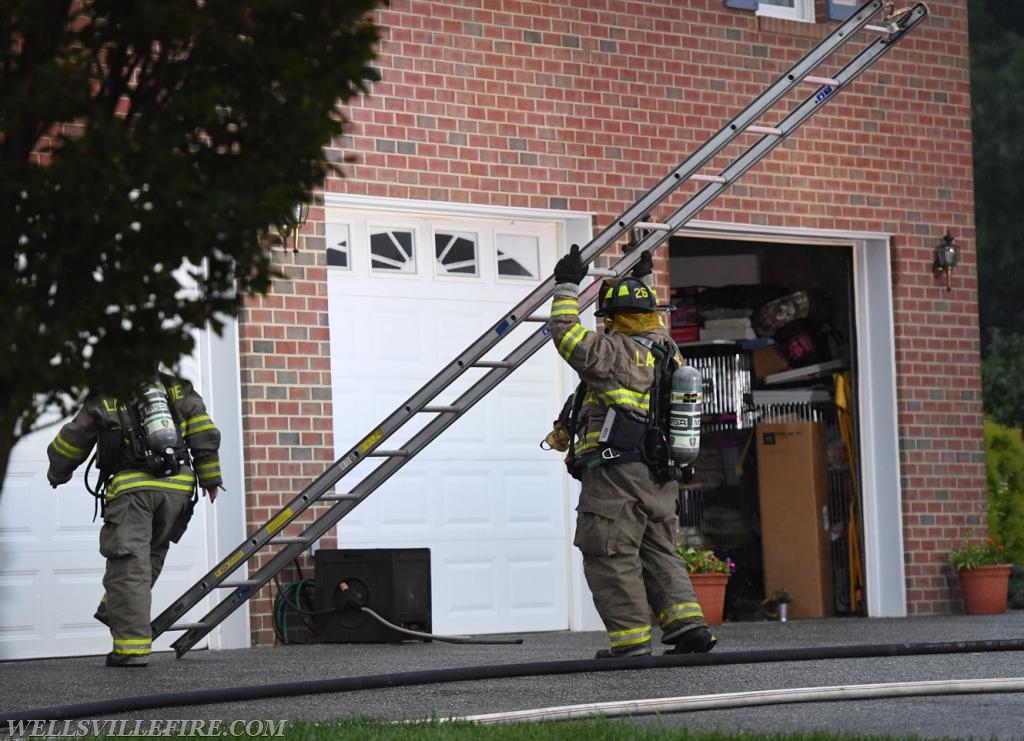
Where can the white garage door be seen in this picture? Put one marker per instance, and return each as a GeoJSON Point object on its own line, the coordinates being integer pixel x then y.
{"type": "Point", "coordinates": [406, 295]}
{"type": "Point", "coordinates": [50, 569]}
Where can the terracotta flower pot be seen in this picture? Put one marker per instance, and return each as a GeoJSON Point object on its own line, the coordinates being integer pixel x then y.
{"type": "Point", "coordinates": [710, 589]}
{"type": "Point", "coordinates": [985, 589]}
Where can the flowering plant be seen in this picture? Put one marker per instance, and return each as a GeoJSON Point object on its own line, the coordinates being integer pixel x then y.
{"type": "Point", "coordinates": [973, 555]}
{"type": "Point", "coordinates": [705, 562]}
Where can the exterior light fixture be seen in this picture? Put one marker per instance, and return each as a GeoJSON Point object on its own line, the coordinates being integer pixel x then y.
{"type": "Point", "coordinates": [947, 255]}
{"type": "Point", "coordinates": [293, 224]}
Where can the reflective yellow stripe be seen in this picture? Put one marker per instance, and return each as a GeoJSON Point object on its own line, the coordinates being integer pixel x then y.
{"type": "Point", "coordinates": [587, 442]}
{"type": "Point", "coordinates": [679, 611]}
{"type": "Point", "coordinates": [208, 471]}
{"type": "Point", "coordinates": [200, 423]}
{"type": "Point", "coordinates": [624, 397]}
{"type": "Point", "coordinates": [571, 339]}
{"type": "Point", "coordinates": [565, 307]}
{"type": "Point", "coordinates": [131, 480]}
{"type": "Point", "coordinates": [629, 637]}
{"type": "Point", "coordinates": [66, 449]}
{"type": "Point", "coordinates": [133, 646]}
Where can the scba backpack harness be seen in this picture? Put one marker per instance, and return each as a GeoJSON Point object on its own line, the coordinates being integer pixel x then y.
{"type": "Point", "coordinates": [668, 441]}
{"type": "Point", "coordinates": [148, 439]}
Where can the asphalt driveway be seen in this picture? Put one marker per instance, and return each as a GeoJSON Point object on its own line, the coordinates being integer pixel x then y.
{"type": "Point", "coordinates": [329, 681]}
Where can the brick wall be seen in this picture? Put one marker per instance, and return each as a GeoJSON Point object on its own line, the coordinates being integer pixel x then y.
{"type": "Point", "coordinates": [286, 404]}
{"type": "Point", "coordinates": [546, 104]}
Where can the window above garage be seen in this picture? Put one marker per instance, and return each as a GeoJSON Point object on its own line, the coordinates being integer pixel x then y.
{"type": "Point", "coordinates": [798, 10]}
{"type": "Point", "coordinates": [793, 10]}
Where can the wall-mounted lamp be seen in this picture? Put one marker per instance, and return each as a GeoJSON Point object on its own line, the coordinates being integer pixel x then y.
{"type": "Point", "coordinates": [947, 255]}
{"type": "Point", "coordinates": [293, 224]}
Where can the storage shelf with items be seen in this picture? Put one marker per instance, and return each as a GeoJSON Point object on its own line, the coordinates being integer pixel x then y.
{"type": "Point", "coordinates": [759, 322]}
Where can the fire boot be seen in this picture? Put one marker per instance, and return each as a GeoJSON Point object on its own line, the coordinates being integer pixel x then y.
{"type": "Point", "coordinates": [643, 649]}
{"type": "Point", "coordinates": [696, 640]}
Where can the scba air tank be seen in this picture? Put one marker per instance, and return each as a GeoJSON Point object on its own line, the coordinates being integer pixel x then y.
{"type": "Point", "coordinates": [158, 427]}
{"type": "Point", "coordinates": [685, 403]}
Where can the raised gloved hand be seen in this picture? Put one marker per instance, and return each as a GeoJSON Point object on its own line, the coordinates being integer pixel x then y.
{"type": "Point", "coordinates": [570, 268]}
{"type": "Point", "coordinates": [644, 267]}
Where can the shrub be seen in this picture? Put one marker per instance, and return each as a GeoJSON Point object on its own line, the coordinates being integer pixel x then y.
{"type": "Point", "coordinates": [1004, 472]}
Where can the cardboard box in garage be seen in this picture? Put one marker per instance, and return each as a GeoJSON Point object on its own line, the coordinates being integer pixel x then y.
{"type": "Point", "coordinates": [768, 360]}
{"type": "Point", "coordinates": [793, 493]}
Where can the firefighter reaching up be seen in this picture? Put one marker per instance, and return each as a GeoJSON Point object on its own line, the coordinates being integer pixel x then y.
{"type": "Point", "coordinates": [620, 450]}
{"type": "Point", "coordinates": [151, 453]}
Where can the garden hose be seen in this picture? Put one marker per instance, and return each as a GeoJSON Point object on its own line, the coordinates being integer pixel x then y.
{"type": "Point", "coordinates": [289, 599]}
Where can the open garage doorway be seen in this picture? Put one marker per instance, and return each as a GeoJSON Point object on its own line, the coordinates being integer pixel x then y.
{"type": "Point", "coordinates": [772, 326]}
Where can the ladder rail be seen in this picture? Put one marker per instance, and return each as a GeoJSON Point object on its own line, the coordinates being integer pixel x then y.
{"type": "Point", "coordinates": [448, 414]}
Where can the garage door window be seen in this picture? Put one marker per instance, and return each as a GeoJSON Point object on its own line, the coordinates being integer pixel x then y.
{"type": "Point", "coordinates": [337, 239]}
{"type": "Point", "coordinates": [517, 255]}
{"type": "Point", "coordinates": [456, 254]}
{"type": "Point", "coordinates": [392, 251]}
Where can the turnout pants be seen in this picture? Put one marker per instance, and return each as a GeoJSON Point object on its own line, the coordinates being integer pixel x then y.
{"type": "Point", "coordinates": [138, 528]}
{"type": "Point", "coordinates": [624, 529]}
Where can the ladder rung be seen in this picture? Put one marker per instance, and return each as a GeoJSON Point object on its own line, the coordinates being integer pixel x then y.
{"type": "Point", "coordinates": [764, 130]}
{"type": "Point", "coordinates": [388, 454]}
{"type": "Point", "coordinates": [542, 318]}
{"type": "Point", "coordinates": [442, 408]}
{"type": "Point", "coordinates": [602, 273]}
{"type": "Point", "coordinates": [237, 584]}
{"type": "Point", "coordinates": [708, 178]}
{"type": "Point", "coordinates": [892, 28]}
{"type": "Point", "coordinates": [186, 626]}
{"type": "Point", "coordinates": [821, 80]}
{"type": "Point", "coordinates": [289, 539]}
{"type": "Point", "coordinates": [494, 364]}
{"type": "Point", "coordinates": [338, 497]}
{"type": "Point", "coordinates": [652, 225]}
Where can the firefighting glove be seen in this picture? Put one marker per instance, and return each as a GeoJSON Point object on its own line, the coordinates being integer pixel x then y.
{"type": "Point", "coordinates": [644, 267]}
{"type": "Point", "coordinates": [54, 481]}
{"type": "Point", "coordinates": [570, 268]}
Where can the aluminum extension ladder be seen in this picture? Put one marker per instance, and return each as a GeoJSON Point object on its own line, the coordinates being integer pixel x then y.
{"type": "Point", "coordinates": [891, 29]}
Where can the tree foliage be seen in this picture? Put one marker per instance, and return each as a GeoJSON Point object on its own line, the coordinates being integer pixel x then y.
{"type": "Point", "coordinates": [1002, 378]}
{"type": "Point", "coordinates": [997, 73]}
{"type": "Point", "coordinates": [142, 142]}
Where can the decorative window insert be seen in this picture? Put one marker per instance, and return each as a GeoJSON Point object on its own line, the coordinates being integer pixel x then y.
{"type": "Point", "coordinates": [457, 254]}
{"type": "Point", "coordinates": [392, 250]}
{"type": "Point", "coordinates": [794, 10]}
{"type": "Point", "coordinates": [517, 255]}
{"type": "Point", "coordinates": [339, 245]}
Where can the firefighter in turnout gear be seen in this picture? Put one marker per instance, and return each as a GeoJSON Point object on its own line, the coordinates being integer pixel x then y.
{"type": "Point", "coordinates": [151, 454]}
{"type": "Point", "coordinates": [626, 513]}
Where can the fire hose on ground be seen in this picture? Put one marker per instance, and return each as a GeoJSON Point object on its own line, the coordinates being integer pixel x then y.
{"type": "Point", "coordinates": [753, 698]}
{"type": "Point", "coordinates": [212, 696]}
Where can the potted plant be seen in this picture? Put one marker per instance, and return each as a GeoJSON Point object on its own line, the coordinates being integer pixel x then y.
{"type": "Point", "coordinates": [984, 576]}
{"type": "Point", "coordinates": [709, 575]}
